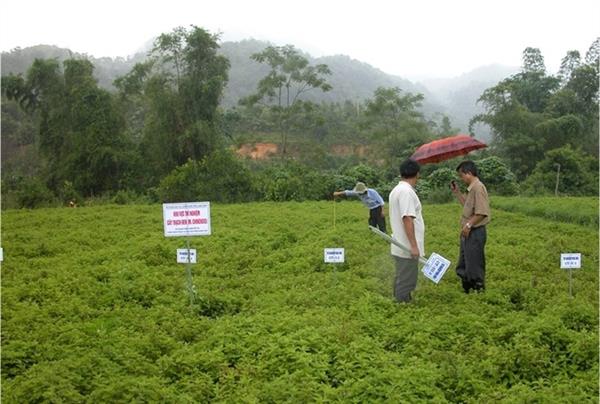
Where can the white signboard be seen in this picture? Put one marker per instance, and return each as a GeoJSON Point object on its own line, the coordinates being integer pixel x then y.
{"type": "Point", "coordinates": [435, 267]}
{"type": "Point", "coordinates": [182, 256]}
{"type": "Point", "coordinates": [334, 255]}
{"type": "Point", "coordinates": [570, 260]}
{"type": "Point", "coordinates": [1, 254]}
{"type": "Point", "coordinates": [186, 219]}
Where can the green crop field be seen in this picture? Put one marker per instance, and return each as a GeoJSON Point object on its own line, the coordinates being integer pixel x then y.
{"type": "Point", "coordinates": [580, 210]}
{"type": "Point", "coordinates": [95, 309]}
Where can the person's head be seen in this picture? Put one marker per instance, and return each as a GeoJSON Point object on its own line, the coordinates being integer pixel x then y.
{"type": "Point", "coordinates": [360, 188]}
{"type": "Point", "coordinates": [467, 171]}
{"type": "Point", "coordinates": [409, 169]}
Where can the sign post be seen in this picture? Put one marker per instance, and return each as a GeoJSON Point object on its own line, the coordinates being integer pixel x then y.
{"type": "Point", "coordinates": [187, 219]}
{"type": "Point", "coordinates": [570, 261]}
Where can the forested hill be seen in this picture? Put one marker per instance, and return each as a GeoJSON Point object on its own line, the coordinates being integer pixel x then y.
{"type": "Point", "coordinates": [105, 69]}
{"type": "Point", "coordinates": [351, 79]}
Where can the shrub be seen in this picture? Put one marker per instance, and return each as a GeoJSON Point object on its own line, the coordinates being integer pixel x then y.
{"type": "Point", "coordinates": [33, 193]}
{"type": "Point", "coordinates": [364, 173]}
{"type": "Point", "coordinates": [218, 177]}
{"type": "Point", "coordinates": [297, 182]}
{"type": "Point", "coordinates": [441, 177]}
{"type": "Point", "coordinates": [574, 179]}
{"type": "Point", "coordinates": [497, 177]}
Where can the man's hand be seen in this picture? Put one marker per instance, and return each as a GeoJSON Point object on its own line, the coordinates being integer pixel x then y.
{"type": "Point", "coordinates": [382, 213]}
{"type": "Point", "coordinates": [414, 252]}
{"type": "Point", "coordinates": [453, 187]}
{"type": "Point", "coordinates": [337, 193]}
{"type": "Point", "coordinates": [466, 231]}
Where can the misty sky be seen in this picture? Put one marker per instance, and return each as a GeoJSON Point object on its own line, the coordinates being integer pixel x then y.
{"type": "Point", "coordinates": [413, 39]}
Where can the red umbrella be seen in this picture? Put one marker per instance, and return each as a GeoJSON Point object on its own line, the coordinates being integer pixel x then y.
{"type": "Point", "coordinates": [446, 148]}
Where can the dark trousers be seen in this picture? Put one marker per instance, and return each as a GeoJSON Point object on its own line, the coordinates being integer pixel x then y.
{"type": "Point", "coordinates": [406, 278]}
{"type": "Point", "coordinates": [375, 218]}
{"type": "Point", "coordinates": [471, 261]}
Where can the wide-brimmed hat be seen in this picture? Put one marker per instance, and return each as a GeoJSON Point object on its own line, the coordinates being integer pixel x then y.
{"type": "Point", "coordinates": [360, 188]}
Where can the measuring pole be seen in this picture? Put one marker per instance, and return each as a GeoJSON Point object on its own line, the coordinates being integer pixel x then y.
{"type": "Point", "coordinates": [571, 283]}
{"type": "Point", "coordinates": [188, 271]}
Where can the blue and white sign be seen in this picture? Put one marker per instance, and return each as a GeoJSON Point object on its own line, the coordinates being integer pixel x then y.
{"type": "Point", "coordinates": [334, 255]}
{"type": "Point", "coordinates": [570, 260]}
{"type": "Point", "coordinates": [182, 256]}
{"type": "Point", "coordinates": [435, 267]}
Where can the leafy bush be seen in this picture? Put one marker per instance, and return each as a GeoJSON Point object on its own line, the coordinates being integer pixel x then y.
{"type": "Point", "coordinates": [423, 189]}
{"type": "Point", "coordinates": [575, 177]}
{"type": "Point", "coordinates": [441, 178]}
{"type": "Point", "coordinates": [497, 177]}
{"type": "Point", "coordinates": [68, 193]}
{"type": "Point", "coordinates": [364, 173]}
{"type": "Point", "coordinates": [218, 177]}
{"type": "Point", "coordinates": [292, 181]}
{"type": "Point", "coordinates": [33, 193]}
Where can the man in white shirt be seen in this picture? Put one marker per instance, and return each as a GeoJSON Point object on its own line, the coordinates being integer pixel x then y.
{"type": "Point", "coordinates": [408, 228]}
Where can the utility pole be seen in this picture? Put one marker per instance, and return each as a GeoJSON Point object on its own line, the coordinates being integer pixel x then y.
{"type": "Point", "coordinates": [557, 178]}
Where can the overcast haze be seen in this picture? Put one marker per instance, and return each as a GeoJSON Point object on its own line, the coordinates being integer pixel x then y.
{"type": "Point", "coordinates": [412, 39]}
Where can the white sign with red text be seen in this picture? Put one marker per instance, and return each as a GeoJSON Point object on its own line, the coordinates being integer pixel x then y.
{"type": "Point", "coordinates": [186, 219]}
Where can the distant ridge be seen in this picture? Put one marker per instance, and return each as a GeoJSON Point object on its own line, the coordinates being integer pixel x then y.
{"type": "Point", "coordinates": [351, 79]}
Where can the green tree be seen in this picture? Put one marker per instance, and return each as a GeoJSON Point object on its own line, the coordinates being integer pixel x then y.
{"type": "Point", "coordinates": [289, 77]}
{"type": "Point", "coordinates": [175, 97]}
{"type": "Point", "coordinates": [395, 124]}
{"type": "Point", "coordinates": [80, 128]}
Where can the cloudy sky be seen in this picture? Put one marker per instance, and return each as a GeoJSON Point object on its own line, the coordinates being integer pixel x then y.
{"type": "Point", "coordinates": [414, 39]}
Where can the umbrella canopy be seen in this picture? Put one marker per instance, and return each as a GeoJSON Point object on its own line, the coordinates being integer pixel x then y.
{"type": "Point", "coordinates": [446, 148]}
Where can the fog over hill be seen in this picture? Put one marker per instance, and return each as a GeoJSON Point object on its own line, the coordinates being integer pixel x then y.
{"type": "Point", "coordinates": [351, 79]}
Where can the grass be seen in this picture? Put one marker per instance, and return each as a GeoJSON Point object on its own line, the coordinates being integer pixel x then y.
{"type": "Point", "coordinates": [578, 210]}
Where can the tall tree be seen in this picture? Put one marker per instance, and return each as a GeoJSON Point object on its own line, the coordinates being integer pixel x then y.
{"type": "Point", "coordinates": [531, 112]}
{"type": "Point", "coordinates": [280, 90]}
{"type": "Point", "coordinates": [80, 128]}
{"type": "Point", "coordinates": [394, 122]}
{"type": "Point", "coordinates": [176, 94]}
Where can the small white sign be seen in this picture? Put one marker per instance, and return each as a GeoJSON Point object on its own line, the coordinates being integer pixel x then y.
{"type": "Point", "coordinates": [1, 254]}
{"type": "Point", "coordinates": [333, 255]}
{"type": "Point", "coordinates": [435, 267]}
{"type": "Point", "coordinates": [186, 219]}
{"type": "Point", "coordinates": [570, 260]}
{"type": "Point", "coordinates": [182, 256]}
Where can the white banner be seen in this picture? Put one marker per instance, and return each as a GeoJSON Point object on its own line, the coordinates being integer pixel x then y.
{"type": "Point", "coordinates": [333, 255]}
{"type": "Point", "coordinates": [186, 219]}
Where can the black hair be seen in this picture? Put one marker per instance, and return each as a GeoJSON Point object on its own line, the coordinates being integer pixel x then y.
{"type": "Point", "coordinates": [409, 168]}
{"type": "Point", "coordinates": [468, 167]}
